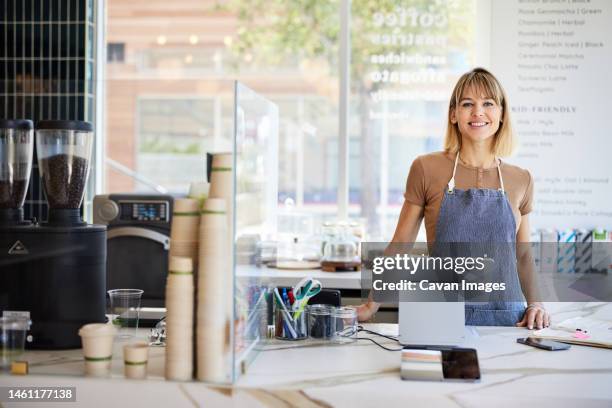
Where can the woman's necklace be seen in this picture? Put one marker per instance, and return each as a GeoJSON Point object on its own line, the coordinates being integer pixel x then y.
{"type": "Point", "coordinates": [496, 162]}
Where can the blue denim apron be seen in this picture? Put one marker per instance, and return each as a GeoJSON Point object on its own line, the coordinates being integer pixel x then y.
{"type": "Point", "coordinates": [484, 216]}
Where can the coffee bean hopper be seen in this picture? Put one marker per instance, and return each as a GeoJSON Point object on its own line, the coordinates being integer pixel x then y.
{"type": "Point", "coordinates": [55, 270]}
{"type": "Point", "coordinates": [16, 148]}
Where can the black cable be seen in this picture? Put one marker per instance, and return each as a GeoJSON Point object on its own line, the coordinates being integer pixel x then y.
{"type": "Point", "coordinates": [361, 329]}
{"type": "Point", "coordinates": [378, 344]}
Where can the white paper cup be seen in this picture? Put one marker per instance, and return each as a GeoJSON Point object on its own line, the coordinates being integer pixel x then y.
{"type": "Point", "coordinates": [135, 357]}
{"type": "Point", "coordinates": [135, 372]}
{"type": "Point", "coordinates": [97, 341]}
{"type": "Point", "coordinates": [137, 352]}
{"type": "Point", "coordinates": [97, 368]}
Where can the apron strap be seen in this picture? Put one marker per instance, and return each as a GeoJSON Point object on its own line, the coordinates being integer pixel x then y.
{"type": "Point", "coordinates": [451, 183]}
{"type": "Point", "coordinates": [501, 180]}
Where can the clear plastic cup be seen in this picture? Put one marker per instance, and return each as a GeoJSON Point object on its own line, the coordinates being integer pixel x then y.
{"type": "Point", "coordinates": [345, 324]}
{"type": "Point", "coordinates": [13, 332]}
{"type": "Point", "coordinates": [125, 311]}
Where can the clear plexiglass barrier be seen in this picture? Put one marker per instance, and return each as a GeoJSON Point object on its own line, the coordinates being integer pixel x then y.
{"type": "Point", "coordinates": [256, 192]}
{"type": "Point", "coordinates": [192, 135]}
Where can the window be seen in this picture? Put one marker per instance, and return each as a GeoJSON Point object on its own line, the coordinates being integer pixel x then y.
{"type": "Point", "coordinates": [163, 112]}
{"type": "Point", "coordinates": [115, 52]}
{"type": "Point", "coordinates": [406, 57]}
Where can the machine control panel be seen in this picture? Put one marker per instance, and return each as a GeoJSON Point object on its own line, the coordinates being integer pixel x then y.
{"type": "Point", "coordinates": [144, 210]}
{"type": "Point", "coordinates": [133, 209]}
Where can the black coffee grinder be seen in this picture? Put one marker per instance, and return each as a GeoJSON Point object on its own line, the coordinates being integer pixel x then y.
{"type": "Point", "coordinates": [56, 270]}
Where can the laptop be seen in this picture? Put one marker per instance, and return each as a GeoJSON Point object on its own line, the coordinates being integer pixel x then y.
{"type": "Point", "coordinates": [431, 323]}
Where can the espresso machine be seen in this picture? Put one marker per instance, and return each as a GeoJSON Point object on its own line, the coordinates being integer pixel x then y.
{"type": "Point", "coordinates": [54, 270]}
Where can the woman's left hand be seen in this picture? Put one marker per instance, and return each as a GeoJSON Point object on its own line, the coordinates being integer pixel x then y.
{"type": "Point", "coordinates": [535, 314]}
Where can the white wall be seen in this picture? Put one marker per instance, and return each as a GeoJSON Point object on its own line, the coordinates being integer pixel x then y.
{"type": "Point", "coordinates": [554, 59]}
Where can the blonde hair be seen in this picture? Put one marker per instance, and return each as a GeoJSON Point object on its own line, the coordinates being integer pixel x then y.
{"type": "Point", "coordinates": [486, 84]}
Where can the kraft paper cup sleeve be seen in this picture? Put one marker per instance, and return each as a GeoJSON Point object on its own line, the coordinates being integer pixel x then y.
{"type": "Point", "coordinates": [222, 160]}
{"type": "Point", "coordinates": [186, 206]}
{"type": "Point", "coordinates": [180, 264]}
{"type": "Point", "coordinates": [214, 206]}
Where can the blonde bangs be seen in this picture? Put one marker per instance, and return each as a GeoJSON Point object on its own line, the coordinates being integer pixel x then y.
{"type": "Point", "coordinates": [487, 86]}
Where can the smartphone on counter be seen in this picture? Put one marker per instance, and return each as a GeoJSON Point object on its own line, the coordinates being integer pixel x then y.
{"type": "Point", "coordinates": [440, 364]}
{"type": "Point", "coordinates": [460, 364]}
{"type": "Point", "coordinates": [543, 344]}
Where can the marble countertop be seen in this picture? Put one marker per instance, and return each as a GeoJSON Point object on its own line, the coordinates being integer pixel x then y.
{"type": "Point", "coordinates": [310, 374]}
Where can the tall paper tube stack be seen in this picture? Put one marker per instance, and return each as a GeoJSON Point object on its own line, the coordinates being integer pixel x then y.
{"type": "Point", "coordinates": [179, 319]}
{"type": "Point", "coordinates": [214, 265]}
{"type": "Point", "coordinates": [184, 232]}
{"type": "Point", "coordinates": [221, 186]}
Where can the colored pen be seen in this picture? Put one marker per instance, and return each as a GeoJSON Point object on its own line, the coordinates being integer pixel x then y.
{"type": "Point", "coordinates": [291, 297]}
{"type": "Point", "coordinates": [288, 319]}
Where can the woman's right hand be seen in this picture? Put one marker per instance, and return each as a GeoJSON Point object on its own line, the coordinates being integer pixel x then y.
{"type": "Point", "coordinates": [367, 310]}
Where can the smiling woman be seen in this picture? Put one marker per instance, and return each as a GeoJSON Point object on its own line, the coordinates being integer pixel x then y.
{"type": "Point", "coordinates": [466, 194]}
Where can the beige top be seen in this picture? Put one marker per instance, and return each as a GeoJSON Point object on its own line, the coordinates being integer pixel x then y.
{"type": "Point", "coordinates": [429, 176]}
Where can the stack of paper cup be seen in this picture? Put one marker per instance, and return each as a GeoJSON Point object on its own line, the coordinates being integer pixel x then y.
{"type": "Point", "coordinates": [184, 229]}
{"type": "Point", "coordinates": [97, 340]}
{"type": "Point", "coordinates": [135, 357]}
{"type": "Point", "coordinates": [221, 186]}
{"type": "Point", "coordinates": [212, 292]}
{"type": "Point", "coordinates": [179, 319]}
{"type": "Point", "coordinates": [221, 176]}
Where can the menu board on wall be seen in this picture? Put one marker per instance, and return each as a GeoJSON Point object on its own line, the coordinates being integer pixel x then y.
{"type": "Point", "coordinates": [554, 59]}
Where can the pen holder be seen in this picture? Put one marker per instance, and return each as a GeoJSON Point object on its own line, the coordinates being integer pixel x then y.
{"type": "Point", "coordinates": [289, 327]}
{"type": "Point", "coordinates": [320, 322]}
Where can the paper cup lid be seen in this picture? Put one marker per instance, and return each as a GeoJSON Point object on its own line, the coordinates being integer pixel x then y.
{"type": "Point", "coordinates": [186, 205]}
{"type": "Point", "coordinates": [180, 264]}
{"type": "Point", "coordinates": [214, 205]}
{"type": "Point", "coordinates": [97, 329]}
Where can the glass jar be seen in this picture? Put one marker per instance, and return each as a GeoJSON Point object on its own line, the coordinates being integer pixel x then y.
{"type": "Point", "coordinates": [345, 324]}
{"type": "Point", "coordinates": [16, 152]}
{"type": "Point", "coordinates": [320, 324]}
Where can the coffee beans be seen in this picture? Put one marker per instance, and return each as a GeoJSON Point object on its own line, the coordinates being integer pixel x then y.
{"type": "Point", "coordinates": [64, 179]}
{"type": "Point", "coordinates": [12, 193]}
